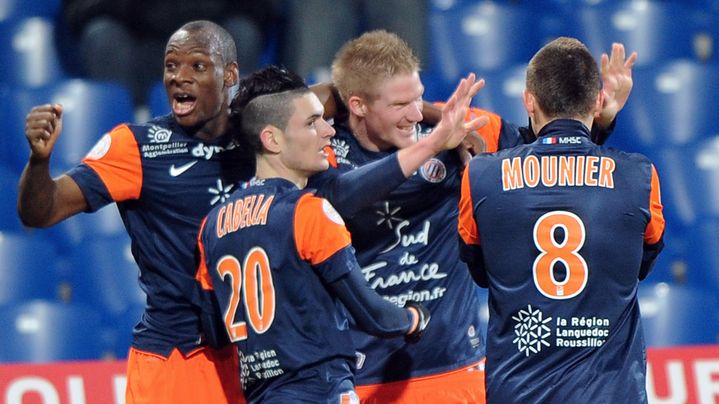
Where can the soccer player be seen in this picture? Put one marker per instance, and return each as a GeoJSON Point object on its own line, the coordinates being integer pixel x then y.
{"type": "Point", "coordinates": [561, 231]}
{"type": "Point", "coordinates": [164, 175]}
{"type": "Point", "coordinates": [406, 243]}
{"type": "Point", "coordinates": [279, 258]}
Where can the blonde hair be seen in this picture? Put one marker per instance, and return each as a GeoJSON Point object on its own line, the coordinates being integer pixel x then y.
{"type": "Point", "coordinates": [366, 62]}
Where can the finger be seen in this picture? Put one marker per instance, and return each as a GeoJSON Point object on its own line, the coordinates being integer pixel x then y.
{"type": "Point", "coordinates": [630, 62]}
{"type": "Point", "coordinates": [476, 123]}
{"type": "Point", "coordinates": [449, 105]}
{"type": "Point", "coordinates": [618, 54]}
{"type": "Point", "coordinates": [604, 63]}
{"type": "Point", "coordinates": [475, 88]}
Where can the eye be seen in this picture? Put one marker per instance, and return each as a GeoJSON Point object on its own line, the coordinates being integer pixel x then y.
{"type": "Point", "coordinates": [200, 67]}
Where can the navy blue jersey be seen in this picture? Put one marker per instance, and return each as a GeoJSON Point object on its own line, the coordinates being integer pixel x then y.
{"type": "Point", "coordinates": [406, 245]}
{"type": "Point", "coordinates": [560, 231]}
{"type": "Point", "coordinates": [164, 182]}
{"type": "Point", "coordinates": [269, 253]}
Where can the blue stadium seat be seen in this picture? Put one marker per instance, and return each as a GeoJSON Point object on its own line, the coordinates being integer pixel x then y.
{"type": "Point", "coordinates": [27, 268]}
{"type": "Point", "coordinates": [120, 331]}
{"type": "Point", "coordinates": [91, 108]}
{"type": "Point", "coordinates": [703, 258]}
{"type": "Point", "coordinates": [9, 220]}
{"type": "Point", "coordinates": [157, 100]}
{"type": "Point", "coordinates": [480, 36]}
{"type": "Point", "coordinates": [672, 104]}
{"type": "Point", "coordinates": [42, 331]}
{"type": "Point", "coordinates": [657, 30]}
{"type": "Point", "coordinates": [103, 274]}
{"type": "Point", "coordinates": [28, 52]}
{"type": "Point", "coordinates": [672, 265]}
{"type": "Point", "coordinates": [502, 93]}
{"type": "Point", "coordinates": [74, 232]}
{"type": "Point", "coordinates": [689, 177]}
{"type": "Point", "coordinates": [16, 9]}
{"type": "Point", "coordinates": [678, 315]}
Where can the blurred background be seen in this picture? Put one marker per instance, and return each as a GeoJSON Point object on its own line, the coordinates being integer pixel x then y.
{"type": "Point", "coordinates": [71, 292]}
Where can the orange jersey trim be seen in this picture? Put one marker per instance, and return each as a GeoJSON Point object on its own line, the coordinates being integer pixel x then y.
{"type": "Point", "coordinates": [466, 226]}
{"type": "Point", "coordinates": [116, 160]}
{"type": "Point", "coordinates": [655, 227]}
{"type": "Point", "coordinates": [489, 132]}
{"type": "Point", "coordinates": [203, 274]}
{"type": "Point", "coordinates": [319, 229]}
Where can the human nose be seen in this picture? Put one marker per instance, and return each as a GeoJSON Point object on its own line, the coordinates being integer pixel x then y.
{"type": "Point", "coordinates": [327, 129]}
{"type": "Point", "coordinates": [415, 111]}
{"type": "Point", "coordinates": [181, 73]}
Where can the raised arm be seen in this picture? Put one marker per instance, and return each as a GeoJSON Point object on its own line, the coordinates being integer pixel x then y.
{"type": "Point", "coordinates": [616, 71]}
{"type": "Point", "coordinates": [43, 201]}
{"type": "Point", "coordinates": [451, 129]}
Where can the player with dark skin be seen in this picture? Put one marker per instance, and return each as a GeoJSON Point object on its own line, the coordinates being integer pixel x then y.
{"type": "Point", "coordinates": [197, 81]}
{"type": "Point", "coordinates": [200, 68]}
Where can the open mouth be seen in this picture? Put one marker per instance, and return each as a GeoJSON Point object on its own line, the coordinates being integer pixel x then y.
{"type": "Point", "coordinates": [183, 104]}
{"type": "Point", "coordinates": [407, 130]}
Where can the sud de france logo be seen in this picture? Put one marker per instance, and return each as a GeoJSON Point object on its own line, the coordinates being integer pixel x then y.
{"type": "Point", "coordinates": [531, 330]}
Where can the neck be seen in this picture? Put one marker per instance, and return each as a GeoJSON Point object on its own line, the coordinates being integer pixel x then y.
{"type": "Point", "coordinates": [214, 127]}
{"type": "Point", "coordinates": [358, 126]}
{"type": "Point", "coordinates": [539, 121]}
{"type": "Point", "coordinates": [269, 167]}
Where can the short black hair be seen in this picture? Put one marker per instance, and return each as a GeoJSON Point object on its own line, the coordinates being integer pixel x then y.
{"type": "Point", "coordinates": [217, 36]}
{"type": "Point", "coordinates": [264, 98]}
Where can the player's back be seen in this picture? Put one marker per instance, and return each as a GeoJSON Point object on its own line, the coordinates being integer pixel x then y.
{"type": "Point", "coordinates": [564, 318]}
{"type": "Point", "coordinates": [276, 307]}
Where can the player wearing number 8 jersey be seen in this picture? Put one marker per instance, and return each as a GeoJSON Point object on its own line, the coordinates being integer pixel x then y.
{"type": "Point", "coordinates": [561, 231]}
{"type": "Point", "coordinates": [280, 261]}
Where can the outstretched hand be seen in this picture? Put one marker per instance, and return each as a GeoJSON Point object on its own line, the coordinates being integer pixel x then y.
{"type": "Point", "coordinates": [42, 128]}
{"type": "Point", "coordinates": [616, 71]}
{"type": "Point", "coordinates": [452, 128]}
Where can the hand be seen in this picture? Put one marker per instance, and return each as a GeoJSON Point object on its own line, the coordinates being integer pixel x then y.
{"type": "Point", "coordinates": [42, 128]}
{"type": "Point", "coordinates": [421, 320]}
{"type": "Point", "coordinates": [617, 83]}
{"type": "Point", "coordinates": [452, 128]}
{"type": "Point", "coordinates": [472, 145]}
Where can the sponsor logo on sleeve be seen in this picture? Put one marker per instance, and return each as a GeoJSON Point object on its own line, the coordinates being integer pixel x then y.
{"type": "Point", "coordinates": [101, 148]}
{"type": "Point", "coordinates": [331, 213]}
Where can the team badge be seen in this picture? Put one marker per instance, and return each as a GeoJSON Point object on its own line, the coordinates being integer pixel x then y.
{"type": "Point", "coordinates": [433, 171]}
